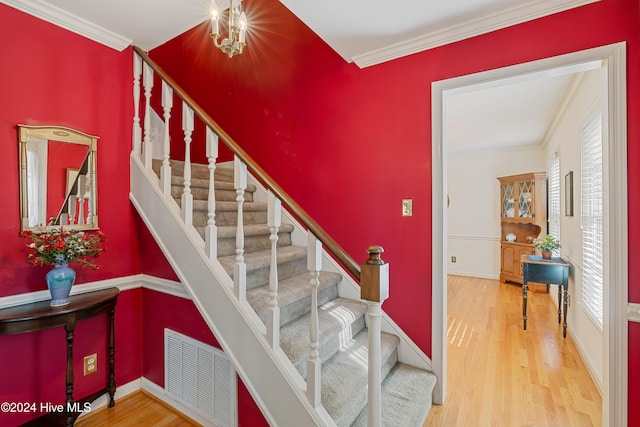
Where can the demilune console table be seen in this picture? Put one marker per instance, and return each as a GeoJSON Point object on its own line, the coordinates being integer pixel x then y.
{"type": "Point", "coordinates": [555, 271]}
{"type": "Point", "coordinates": [40, 315]}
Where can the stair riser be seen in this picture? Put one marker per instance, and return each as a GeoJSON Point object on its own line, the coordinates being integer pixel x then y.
{"type": "Point", "coordinates": [202, 172]}
{"type": "Point", "coordinates": [229, 217]}
{"type": "Point", "coordinates": [359, 400]}
{"type": "Point", "coordinates": [294, 310]}
{"type": "Point", "coordinates": [332, 346]}
{"type": "Point", "coordinates": [260, 276]}
{"type": "Point", "coordinates": [198, 171]}
{"type": "Point", "coordinates": [202, 193]}
{"type": "Point", "coordinates": [251, 243]}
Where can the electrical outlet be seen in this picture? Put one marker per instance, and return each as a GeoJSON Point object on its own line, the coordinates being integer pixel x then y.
{"type": "Point", "coordinates": [407, 207]}
{"type": "Point", "coordinates": [453, 259]}
{"type": "Point", "coordinates": [90, 364]}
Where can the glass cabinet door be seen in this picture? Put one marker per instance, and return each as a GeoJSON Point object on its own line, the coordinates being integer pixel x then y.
{"type": "Point", "coordinates": [525, 199]}
{"type": "Point", "coordinates": [508, 204]}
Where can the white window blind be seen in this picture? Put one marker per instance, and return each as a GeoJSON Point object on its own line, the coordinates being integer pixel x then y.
{"type": "Point", "coordinates": [592, 219]}
{"type": "Point", "coordinates": [553, 195]}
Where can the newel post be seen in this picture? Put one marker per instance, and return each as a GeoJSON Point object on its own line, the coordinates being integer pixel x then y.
{"type": "Point", "coordinates": [374, 288]}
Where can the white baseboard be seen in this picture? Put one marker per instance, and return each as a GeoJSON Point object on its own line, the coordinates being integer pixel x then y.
{"type": "Point", "coordinates": [121, 391]}
{"type": "Point", "coordinates": [158, 392]}
{"type": "Point", "coordinates": [633, 311]}
{"type": "Point", "coordinates": [473, 274]}
{"type": "Point", "coordinates": [153, 389]}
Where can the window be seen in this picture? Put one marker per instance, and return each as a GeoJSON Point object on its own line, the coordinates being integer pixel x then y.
{"type": "Point", "coordinates": [592, 219]}
{"type": "Point", "coordinates": [553, 184]}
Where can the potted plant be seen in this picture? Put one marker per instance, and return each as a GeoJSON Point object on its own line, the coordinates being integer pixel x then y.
{"type": "Point", "coordinates": [60, 247]}
{"type": "Point", "coordinates": [546, 245]}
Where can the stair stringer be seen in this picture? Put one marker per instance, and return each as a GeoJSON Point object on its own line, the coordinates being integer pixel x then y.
{"type": "Point", "coordinates": [408, 352]}
{"type": "Point", "coordinates": [277, 388]}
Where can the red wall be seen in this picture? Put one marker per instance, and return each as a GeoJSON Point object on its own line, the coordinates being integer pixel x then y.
{"type": "Point", "coordinates": [362, 137]}
{"type": "Point", "coordinates": [181, 315]}
{"type": "Point", "coordinates": [52, 76]}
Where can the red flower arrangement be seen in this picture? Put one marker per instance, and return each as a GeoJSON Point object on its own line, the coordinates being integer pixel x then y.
{"type": "Point", "coordinates": [61, 246]}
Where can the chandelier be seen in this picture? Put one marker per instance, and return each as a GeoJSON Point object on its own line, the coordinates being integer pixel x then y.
{"type": "Point", "coordinates": [236, 40]}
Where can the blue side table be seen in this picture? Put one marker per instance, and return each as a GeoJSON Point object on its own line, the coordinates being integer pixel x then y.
{"type": "Point", "coordinates": [550, 271]}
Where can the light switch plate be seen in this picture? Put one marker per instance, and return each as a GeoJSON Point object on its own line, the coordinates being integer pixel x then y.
{"type": "Point", "coordinates": [407, 207]}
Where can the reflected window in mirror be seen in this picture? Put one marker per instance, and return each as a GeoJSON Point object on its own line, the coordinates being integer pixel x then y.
{"type": "Point", "coordinates": [58, 178]}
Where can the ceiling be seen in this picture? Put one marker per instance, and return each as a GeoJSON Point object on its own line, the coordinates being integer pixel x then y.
{"type": "Point", "coordinates": [366, 32]}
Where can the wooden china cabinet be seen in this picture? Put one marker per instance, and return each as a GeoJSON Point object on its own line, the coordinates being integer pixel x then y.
{"type": "Point", "coordinates": [523, 216]}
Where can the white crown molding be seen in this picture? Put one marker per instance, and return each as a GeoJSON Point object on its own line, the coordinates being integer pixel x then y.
{"type": "Point", "coordinates": [125, 283]}
{"type": "Point", "coordinates": [633, 312]}
{"type": "Point", "coordinates": [471, 28]}
{"type": "Point", "coordinates": [59, 17]}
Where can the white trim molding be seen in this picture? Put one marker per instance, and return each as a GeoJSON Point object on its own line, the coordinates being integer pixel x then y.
{"type": "Point", "coordinates": [475, 237]}
{"type": "Point", "coordinates": [73, 23]}
{"type": "Point", "coordinates": [474, 27]}
{"type": "Point", "coordinates": [124, 283]}
{"type": "Point", "coordinates": [633, 311]}
{"type": "Point", "coordinates": [616, 354]}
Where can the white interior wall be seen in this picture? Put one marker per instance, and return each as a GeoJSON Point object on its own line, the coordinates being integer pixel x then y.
{"type": "Point", "coordinates": [474, 210]}
{"type": "Point", "coordinates": [565, 140]}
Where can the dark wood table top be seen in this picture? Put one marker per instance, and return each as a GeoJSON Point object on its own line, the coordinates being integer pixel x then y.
{"type": "Point", "coordinates": [40, 315]}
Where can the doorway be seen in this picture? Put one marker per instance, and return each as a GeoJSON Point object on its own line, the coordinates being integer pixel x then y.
{"type": "Point", "coordinates": [613, 59]}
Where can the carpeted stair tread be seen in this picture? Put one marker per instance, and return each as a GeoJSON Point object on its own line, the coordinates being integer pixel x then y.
{"type": "Point", "coordinates": [178, 181]}
{"type": "Point", "coordinates": [203, 205]}
{"type": "Point", "coordinates": [406, 397]}
{"type": "Point", "coordinates": [228, 231]}
{"type": "Point", "coordinates": [345, 377]}
{"type": "Point", "coordinates": [339, 321]}
{"type": "Point", "coordinates": [294, 295]}
{"type": "Point", "coordinates": [198, 170]}
{"type": "Point", "coordinates": [225, 191]}
{"type": "Point", "coordinates": [256, 237]}
{"type": "Point", "coordinates": [292, 260]}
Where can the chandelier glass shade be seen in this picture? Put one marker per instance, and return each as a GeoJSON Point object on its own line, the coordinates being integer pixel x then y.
{"type": "Point", "coordinates": [236, 39]}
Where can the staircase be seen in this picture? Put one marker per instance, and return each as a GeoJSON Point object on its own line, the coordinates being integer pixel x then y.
{"type": "Point", "coordinates": [406, 397]}
{"type": "Point", "coordinates": [276, 294]}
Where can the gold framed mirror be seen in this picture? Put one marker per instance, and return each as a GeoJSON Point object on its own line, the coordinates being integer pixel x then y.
{"type": "Point", "coordinates": [58, 185]}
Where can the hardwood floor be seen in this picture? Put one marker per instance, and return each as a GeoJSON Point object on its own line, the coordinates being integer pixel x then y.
{"type": "Point", "coordinates": [501, 375]}
{"type": "Point", "coordinates": [136, 409]}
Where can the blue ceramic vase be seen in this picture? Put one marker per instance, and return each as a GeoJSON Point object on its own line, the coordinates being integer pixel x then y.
{"type": "Point", "coordinates": [60, 279]}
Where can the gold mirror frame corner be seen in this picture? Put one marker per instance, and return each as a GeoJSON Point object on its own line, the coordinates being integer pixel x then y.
{"type": "Point", "coordinates": [63, 134]}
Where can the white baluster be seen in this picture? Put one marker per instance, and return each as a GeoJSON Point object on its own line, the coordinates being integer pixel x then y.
{"type": "Point", "coordinates": [72, 209]}
{"type": "Point", "coordinates": [64, 218]}
{"type": "Point", "coordinates": [82, 179]}
{"type": "Point", "coordinates": [374, 288]}
{"type": "Point", "coordinates": [211, 231]}
{"type": "Point", "coordinates": [273, 318]}
{"type": "Point", "coordinates": [187, 197]}
{"type": "Point", "coordinates": [147, 146]}
{"type": "Point", "coordinates": [165, 170]}
{"type": "Point", "coordinates": [314, 264]}
{"type": "Point", "coordinates": [87, 197]}
{"type": "Point", "coordinates": [240, 268]}
{"type": "Point", "coordinates": [137, 130]}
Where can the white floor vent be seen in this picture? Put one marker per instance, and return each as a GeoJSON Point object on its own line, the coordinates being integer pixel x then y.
{"type": "Point", "coordinates": [200, 377]}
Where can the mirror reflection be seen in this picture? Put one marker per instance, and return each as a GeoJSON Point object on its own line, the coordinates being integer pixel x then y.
{"type": "Point", "coordinates": [57, 178]}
